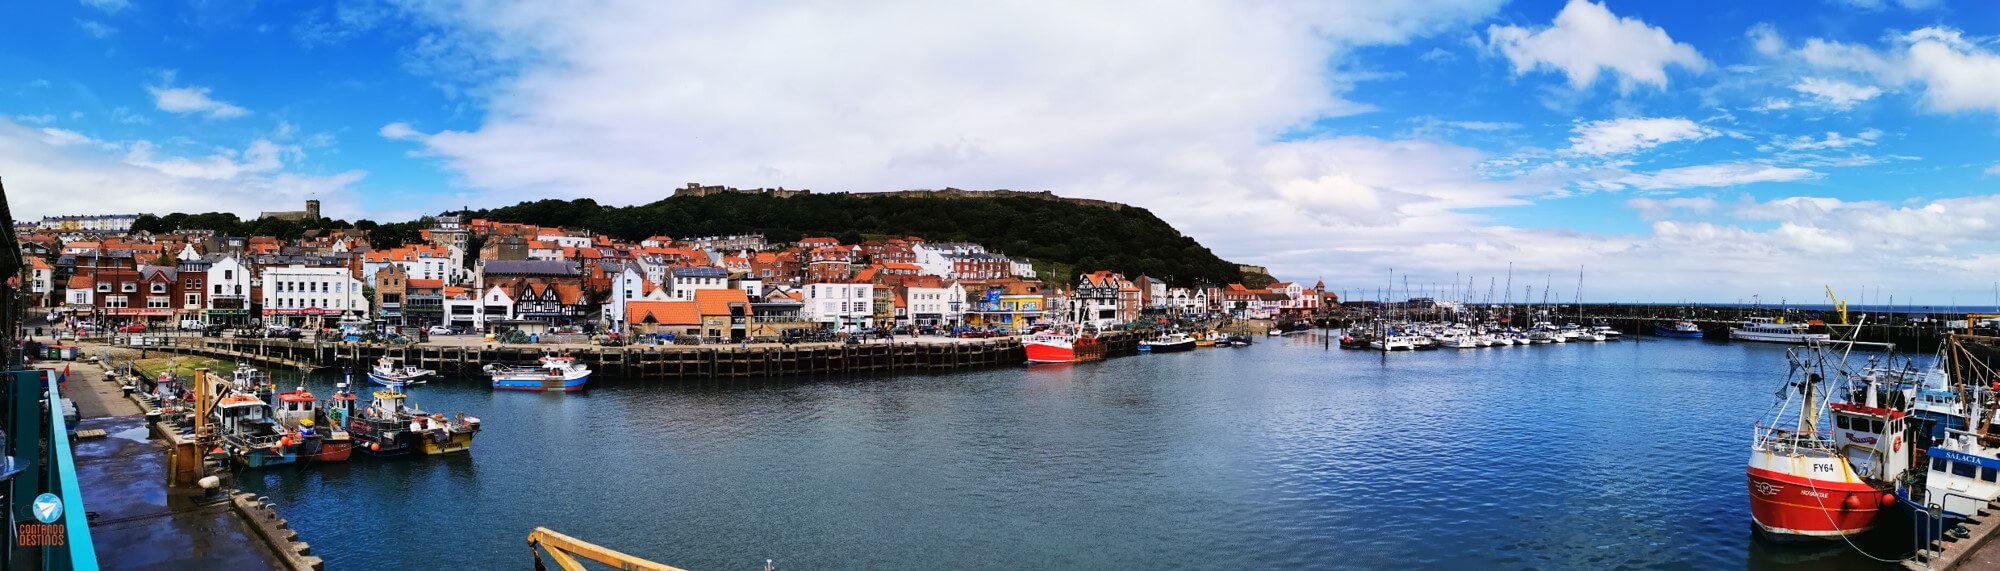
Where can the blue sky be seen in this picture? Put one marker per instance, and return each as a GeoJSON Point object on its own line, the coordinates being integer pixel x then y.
{"type": "Point", "coordinates": [1676, 150]}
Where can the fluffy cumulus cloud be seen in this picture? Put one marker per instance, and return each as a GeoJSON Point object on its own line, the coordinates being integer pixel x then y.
{"type": "Point", "coordinates": [1184, 112]}
{"type": "Point", "coordinates": [1587, 40]}
{"type": "Point", "coordinates": [1951, 72]}
{"type": "Point", "coordinates": [56, 171]}
{"type": "Point", "coordinates": [193, 100]}
{"type": "Point", "coordinates": [1625, 135]}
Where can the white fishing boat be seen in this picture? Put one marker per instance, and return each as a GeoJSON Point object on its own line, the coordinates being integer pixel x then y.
{"type": "Point", "coordinates": [388, 373]}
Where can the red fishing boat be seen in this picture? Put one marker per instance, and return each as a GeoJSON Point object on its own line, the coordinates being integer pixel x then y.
{"type": "Point", "coordinates": [1051, 346]}
{"type": "Point", "coordinates": [1806, 482]}
{"type": "Point", "coordinates": [299, 411]}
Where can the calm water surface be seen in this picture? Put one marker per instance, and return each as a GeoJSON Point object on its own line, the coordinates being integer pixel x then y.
{"type": "Point", "coordinates": [1282, 455]}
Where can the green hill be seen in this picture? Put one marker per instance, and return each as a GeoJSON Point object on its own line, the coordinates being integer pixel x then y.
{"type": "Point", "coordinates": [1062, 237]}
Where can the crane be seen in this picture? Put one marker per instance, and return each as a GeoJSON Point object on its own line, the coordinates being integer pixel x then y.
{"type": "Point", "coordinates": [1839, 305]}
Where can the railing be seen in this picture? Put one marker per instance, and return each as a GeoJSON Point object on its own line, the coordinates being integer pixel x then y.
{"type": "Point", "coordinates": [40, 449]}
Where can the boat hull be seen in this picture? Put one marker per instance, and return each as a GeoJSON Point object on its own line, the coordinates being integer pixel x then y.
{"type": "Point", "coordinates": [541, 383]}
{"type": "Point", "coordinates": [457, 442]}
{"type": "Point", "coordinates": [396, 381]}
{"type": "Point", "coordinates": [1670, 332]}
{"type": "Point", "coordinates": [1049, 353]}
{"type": "Point", "coordinates": [1790, 506]}
{"type": "Point", "coordinates": [1787, 338]}
{"type": "Point", "coordinates": [1173, 347]}
{"type": "Point", "coordinates": [330, 450]}
{"type": "Point", "coordinates": [265, 458]}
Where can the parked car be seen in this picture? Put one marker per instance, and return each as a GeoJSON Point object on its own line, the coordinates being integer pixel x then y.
{"type": "Point", "coordinates": [133, 327]}
{"type": "Point", "coordinates": [191, 325]}
{"type": "Point", "coordinates": [440, 330]}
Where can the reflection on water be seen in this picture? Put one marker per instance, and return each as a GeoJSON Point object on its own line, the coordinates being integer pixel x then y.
{"type": "Point", "coordinates": [1625, 454]}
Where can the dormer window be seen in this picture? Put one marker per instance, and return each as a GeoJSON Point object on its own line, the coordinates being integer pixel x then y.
{"type": "Point", "coordinates": [104, 287]}
{"type": "Point", "coordinates": [129, 287]}
{"type": "Point", "coordinates": [159, 287]}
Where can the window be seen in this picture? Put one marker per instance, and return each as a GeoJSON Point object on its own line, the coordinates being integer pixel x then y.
{"type": "Point", "coordinates": [193, 298]}
{"type": "Point", "coordinates": [1987, 473]}
{"type": "Point", "coordinates": [116, 302]}
{"type": "Point", "coordinates": [159, 287]}
{"type": "Point", "coordinates": [1875, 426]}
{"type": "Point", "coordinates": [1962, 470]}
{"type": "Point", "coordinates": [159, 302]}
{"type": "Point", "coordinates": [228, 274]}
{"type": "Point", "coordinates": [104, 287]}
{"type": "Point", "coordinates": [128, 287]}
{"type": "Point", "coordinates": [1840, 421]}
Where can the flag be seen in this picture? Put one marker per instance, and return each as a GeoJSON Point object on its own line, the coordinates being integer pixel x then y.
{"type": "Point", "coordinates": [62, 381]}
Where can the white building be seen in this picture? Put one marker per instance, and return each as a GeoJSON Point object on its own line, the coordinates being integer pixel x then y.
{"type": "Point", "coordinates": [936, 258]}
{"type": "Point", "coordinates": [229, 289]}
{"type": "Point", "coordinates": [684, 280]}
{"type": "Point", "coordinates": [472, 313]}
{"type": "Point", "coordinates": [1023, 268]}
{"type": "Point", "coordinates": [298, 295]}
{"type": "Point", "coordinates": [845, 306]}
{"type": "Point", "coordinates": [936, 305]}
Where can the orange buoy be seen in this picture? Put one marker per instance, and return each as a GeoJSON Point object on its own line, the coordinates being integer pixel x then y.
{"type": "Point", "coordinates": [1888, 499]}
{"type": "Point", "coordinates": [1853, 502]}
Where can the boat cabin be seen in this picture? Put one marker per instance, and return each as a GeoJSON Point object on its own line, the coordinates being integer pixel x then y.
{"type": "Point", "coordinates": [1875, 439]}
{"type": "Point", "coordinates": [295, 406]}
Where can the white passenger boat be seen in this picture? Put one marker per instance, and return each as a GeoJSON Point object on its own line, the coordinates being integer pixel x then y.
{"type": "Point", "coordinates": [1771, 331]}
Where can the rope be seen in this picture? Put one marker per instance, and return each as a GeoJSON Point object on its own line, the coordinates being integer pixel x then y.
{"type": "Point", "coordinates": [1836, 525]}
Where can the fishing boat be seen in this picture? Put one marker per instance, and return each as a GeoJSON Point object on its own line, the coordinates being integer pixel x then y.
{"type": "Point", "coordinates": [249, 434]}
{"type": "Point", "coordinates": [1460, 341]}
{"type": "Point", "coordinates": [1395, 342]}
{"type": "Point", "coordinates": [1963, 455]}
{"type": "Point", "coordinates": [299, 411]}
{"type": "Point", "coordinates": [1682, 329]}
{"type": "Point", "coordinates": [1205, 339]}
{"type": "Point", "coordinates": [444, 435]}
{"type": "Point", "coordinates": [1770, 330]}
{"type": "Point", "coordinates": [550, 373]}
{"type": "Point", "coordinates": [388, 373]}
{"type": "Point", "coordinates": [1609, 333]}
{"type": "Point", "coordinates": [1806, 482]}
{"type": "Point", "coordinates": [1173, 342]}
{"type": "Point", "coordinates": [383, 429]}
{"type": "Point", "coordinates": [1055, 346]}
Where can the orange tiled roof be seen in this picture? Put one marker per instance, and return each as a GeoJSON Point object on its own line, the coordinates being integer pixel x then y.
{"type": "Point", "coordinates": [662, 312]}
{"type": "Point", "coordinates": [716, 301]}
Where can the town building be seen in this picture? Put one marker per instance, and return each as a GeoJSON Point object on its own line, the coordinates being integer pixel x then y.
{"type": "Point", "coordinates": [843, 306]}
{"type": "Point", "coordinates": [301, 296]}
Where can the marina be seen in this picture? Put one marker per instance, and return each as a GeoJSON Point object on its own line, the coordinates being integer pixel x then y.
{"type": "Point", "coordinates": [1133, 456]}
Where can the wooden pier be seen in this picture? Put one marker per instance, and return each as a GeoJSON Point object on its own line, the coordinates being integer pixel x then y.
{"type": "Point", "coordinates": [648, 362]}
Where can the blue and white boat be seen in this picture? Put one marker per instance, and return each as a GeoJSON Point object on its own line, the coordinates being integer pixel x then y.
{"type": "Point", "coordinates": [1683, 329]}
{"type": "Point", "coordinates": [388, 374]}
{"type": "Point", "coordinates": [552, 373]}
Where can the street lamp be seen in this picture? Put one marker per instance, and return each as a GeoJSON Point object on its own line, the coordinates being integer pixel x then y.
{"type": "Point", "coordinates": [955, 315]}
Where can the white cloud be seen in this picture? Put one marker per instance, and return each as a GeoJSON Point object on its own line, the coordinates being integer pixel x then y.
{"type": "Point", "coordinates": [1626, 135]}
{"type": "Point", "coordinates": [1832, 140]}
{"type": "Point", "coordinates": [1715, 175]}
{"type": "Point", "coordinates": [54, 171]}
{"type": "Point", "coordinates": [1836, 94]}
{"type": "Point", "coordinates": [110, 6]}
{"type": "Point", "coordinates": [1770, 104]}
{"type": "Point", "coordinates": [400, 131]}
{"type": "Point", "coordinates": [1658, 208]}
{"type": "Point", "coordinates": [185, 100]}
{"type": "Point", "coordinates": [1587, 39]}
{"type": "Point", "coordinates": [1954, 73]}
{"type": "Point", "coordinates": [96, 29]}
{"type": "Point", "coordinates": [61, 137]}
{"type": "Point", "coordinates": [1993, 169]}
{"type": "Point", "coordinates": [1764, 37]}
{"type": "Point", "coordinates": [42, 119]}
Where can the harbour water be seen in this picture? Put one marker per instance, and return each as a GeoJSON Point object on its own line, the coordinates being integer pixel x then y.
{"type": "Point", "coordinates": [1627, 454]}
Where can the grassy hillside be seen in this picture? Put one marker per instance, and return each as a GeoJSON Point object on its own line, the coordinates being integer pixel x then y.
{"type": "Point", "coordinates": [1064, 236]}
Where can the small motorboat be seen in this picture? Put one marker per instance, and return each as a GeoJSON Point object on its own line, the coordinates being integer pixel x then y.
{"type": "Point", "coordinates": [387, 373]}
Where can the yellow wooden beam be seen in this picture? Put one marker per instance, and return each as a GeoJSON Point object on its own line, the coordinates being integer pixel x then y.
{"type": "Point", "coordinates": [564, 549]}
